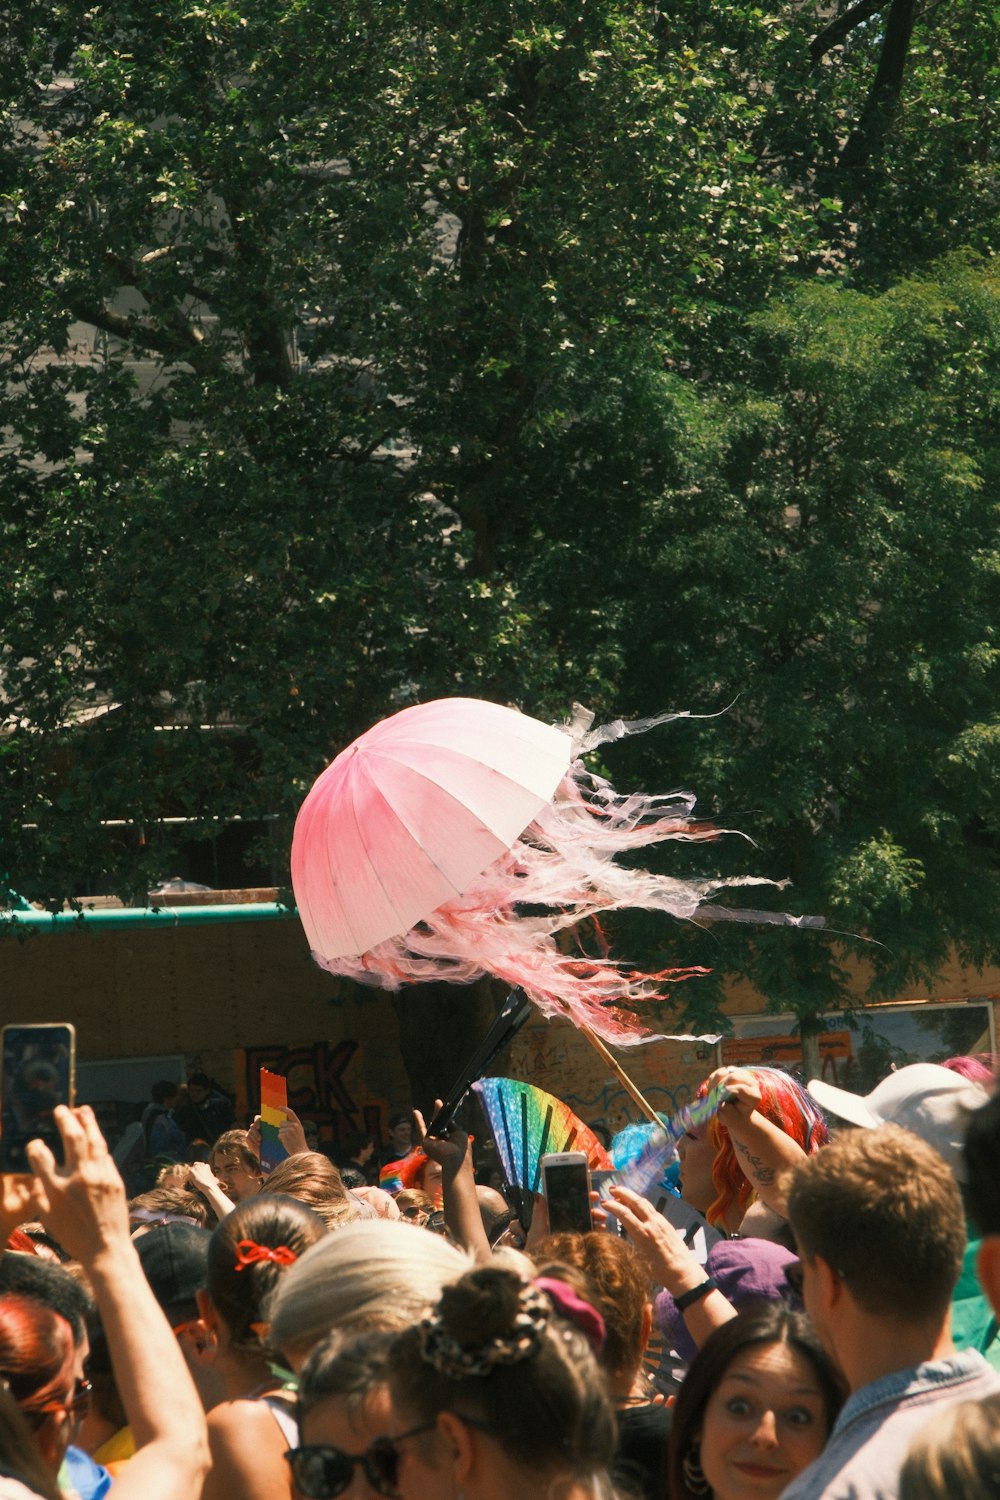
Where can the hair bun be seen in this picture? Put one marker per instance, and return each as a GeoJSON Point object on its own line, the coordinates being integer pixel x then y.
{"type": "Point", "coordinates": [482, 1305]}
{"type": "Point", "coordinates": [487, 1319]}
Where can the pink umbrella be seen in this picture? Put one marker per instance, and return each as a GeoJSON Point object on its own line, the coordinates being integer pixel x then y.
{"type": "Point", "coordinates": [461, 838]}
{"type": "Point", "coordinates": [406, 817]}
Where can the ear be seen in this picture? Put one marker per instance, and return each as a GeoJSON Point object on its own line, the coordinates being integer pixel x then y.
{"type": "Point", "coordinates": [458, 1441]}
{"type": "Point", "coordinates": [647, 1326]}
{"type": "Point", "coordinates": [988, 1269]}
{"type": "Point", "coordinates": [830, 1285]}
{"type": "Point", "coordinates": [207, 1314]}
{"type": "Point", "coordinates": [199, 1339]}
{"type": "Point", "coordinates": [52, 1438]}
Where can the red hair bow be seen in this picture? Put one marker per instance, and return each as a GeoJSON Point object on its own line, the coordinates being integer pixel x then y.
{"type": "Point", "coordinates": [248, 1253]}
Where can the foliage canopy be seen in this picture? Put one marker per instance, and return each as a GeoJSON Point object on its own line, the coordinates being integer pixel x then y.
{"type": "Point", "coordinates": [354, 355]}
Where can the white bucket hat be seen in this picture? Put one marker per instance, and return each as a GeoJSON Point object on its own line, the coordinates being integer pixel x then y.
{"type": "Point", "coordinates": [932, 1101]}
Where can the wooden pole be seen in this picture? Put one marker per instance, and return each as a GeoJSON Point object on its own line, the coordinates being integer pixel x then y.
{"type": "Point", "coordinates": [621, 1075]}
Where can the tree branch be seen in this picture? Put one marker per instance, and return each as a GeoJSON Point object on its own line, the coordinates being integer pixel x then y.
{"type": "Point", "coordinates": [883, 98]}
{"type": "Point", "coordinates": [131, 331]}
{"type": "Point", "coordinates": [828, 38]}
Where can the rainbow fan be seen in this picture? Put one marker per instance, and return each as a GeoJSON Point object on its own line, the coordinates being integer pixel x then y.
{"type": "Point", "coordinates": [526, 1123]}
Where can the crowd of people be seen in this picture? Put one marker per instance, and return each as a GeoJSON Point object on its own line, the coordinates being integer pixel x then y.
{"type": "Point", "coordinates": [389, 1327]}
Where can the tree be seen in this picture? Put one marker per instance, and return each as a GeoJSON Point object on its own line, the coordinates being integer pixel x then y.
{"type": "Point", "coordinates": [347, 337]}
{"type": "Point", "coordinates": [607, 353]}
{"type": "Point", "coordinates": [833, 568]}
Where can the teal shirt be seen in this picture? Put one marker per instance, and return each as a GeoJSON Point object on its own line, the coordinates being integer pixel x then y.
{"type": "Point", "coordinates": [973, 1323]}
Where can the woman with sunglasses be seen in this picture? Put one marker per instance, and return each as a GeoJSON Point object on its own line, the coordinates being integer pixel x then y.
{"type": "Point", "coordinates": [37, 1357]}
{"type": "Point", "coordinates": [345, 1419]}
{"type": "Point", "coordinates": [82, 1204]}
{"type": "Point", "coordinates": [497, 1392]}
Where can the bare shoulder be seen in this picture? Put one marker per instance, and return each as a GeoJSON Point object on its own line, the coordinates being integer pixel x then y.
{"type": "Point", "coordinates": [242, 1416]}
{"type": "Point", "coordinates": [248, 1453]}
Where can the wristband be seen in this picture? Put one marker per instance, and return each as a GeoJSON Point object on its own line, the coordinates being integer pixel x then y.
{"type": "Point", "coordinates": [688, 1299]}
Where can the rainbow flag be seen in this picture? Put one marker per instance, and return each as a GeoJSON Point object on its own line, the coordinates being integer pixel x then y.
{"type": "Point", "coordinates": [273, 1113]}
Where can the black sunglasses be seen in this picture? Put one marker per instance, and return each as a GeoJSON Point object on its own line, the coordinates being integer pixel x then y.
{"type": "Point", "coordinates": [320, 1471]}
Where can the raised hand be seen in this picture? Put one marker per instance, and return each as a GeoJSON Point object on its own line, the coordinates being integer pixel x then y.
{"type": "Point", "coordinates": [19, 1202]}
{"type": "Point", "coordinates": [665, 1258]}
{"type": "Point", "coordinates": [83, 1201]}
{"type": "Point", "coordinates": [450, 1150]}
{"type": "Point", "coordinates": [291, 1134]}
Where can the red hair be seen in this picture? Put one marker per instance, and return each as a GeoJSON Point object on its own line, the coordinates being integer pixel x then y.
{"type": "Point", "coordinates": [36, 1352]}
{"type": "Point", "coordinates": [412, 1169]}
{"type": "Point", "coordinates": [786, 1104]}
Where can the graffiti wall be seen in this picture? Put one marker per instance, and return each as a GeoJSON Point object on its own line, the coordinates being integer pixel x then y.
{"type": "Point", "coordinates": [553, 1055]}
{"type": "Point", "coordinates": [320, 1087]}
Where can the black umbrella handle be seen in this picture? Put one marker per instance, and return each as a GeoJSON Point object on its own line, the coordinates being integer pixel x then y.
{"type": "Point", "coordinates": [509, 1019]}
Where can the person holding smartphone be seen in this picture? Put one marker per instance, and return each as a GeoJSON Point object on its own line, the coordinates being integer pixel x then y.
{"type": "Point", "coordinates": [82, 1204]}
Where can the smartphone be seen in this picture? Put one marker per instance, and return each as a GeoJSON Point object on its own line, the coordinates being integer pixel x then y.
{"type": "Point", "coordinates": [37, 1072]}
{"type": "Point", "coordinates": [566, 1186]}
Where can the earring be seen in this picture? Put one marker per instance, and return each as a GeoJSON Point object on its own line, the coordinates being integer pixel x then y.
{"type": "Point", "coordinates": [694, 1474]}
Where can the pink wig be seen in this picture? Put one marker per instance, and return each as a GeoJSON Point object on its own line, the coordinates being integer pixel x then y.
{"type": "Point", "coordinates": [786, 1104]}
{"type": "Point", "coordinates": [984, 1067]}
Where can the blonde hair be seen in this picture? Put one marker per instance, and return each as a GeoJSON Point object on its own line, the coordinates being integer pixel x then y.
{"type": "Point", "coordinates": [375, 1274]}
{"type": "Point", "coordinates": [957, 1455]}
{"type": "Point", "coordinates": [312, 1178]}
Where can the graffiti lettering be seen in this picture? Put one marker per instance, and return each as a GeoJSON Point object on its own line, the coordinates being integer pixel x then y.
{"type": "Point", "coordinates": [316, 1086]}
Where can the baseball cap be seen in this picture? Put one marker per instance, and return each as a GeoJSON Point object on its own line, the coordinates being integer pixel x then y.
{"type": "Point", "coordinates": [175, 1260]}
{"type": "Point", "coordinates": [933, 1102]}
{"type": "Point", "coordinates": [746, 1271]}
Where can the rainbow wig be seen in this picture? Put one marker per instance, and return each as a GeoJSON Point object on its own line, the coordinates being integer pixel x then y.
{"type": "Point", "coordinates": [787, 1104]}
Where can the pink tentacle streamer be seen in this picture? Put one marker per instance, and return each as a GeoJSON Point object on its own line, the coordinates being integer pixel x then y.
{"type": "Point", "coordinates": [561, 872]}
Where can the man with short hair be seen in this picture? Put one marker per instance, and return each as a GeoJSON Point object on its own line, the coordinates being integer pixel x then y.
{"type": "Point", "coordinates": [935, 1103]}
{"type": "Point", "coordinates": [878, 1221]}
{"type": "Point", "coordinates": [163, 1136]}
{"type": "Point", "coordinates": [203, 1111]}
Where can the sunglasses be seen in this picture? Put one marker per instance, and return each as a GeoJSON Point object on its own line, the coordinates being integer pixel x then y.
{"type": "Point", "coordinates": [77, 1404]}
{"type": "Point", "coordinates": [320, 1472]}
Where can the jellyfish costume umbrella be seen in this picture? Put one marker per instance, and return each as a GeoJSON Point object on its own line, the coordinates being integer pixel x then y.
{"type": "Point", "coordinates": [460, 838]}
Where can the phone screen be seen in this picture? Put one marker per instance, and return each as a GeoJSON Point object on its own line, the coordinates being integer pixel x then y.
{"type": "Point", "coordinates": [567, 1191]}
{"type": "Point", "coordinates": [37, 1074]}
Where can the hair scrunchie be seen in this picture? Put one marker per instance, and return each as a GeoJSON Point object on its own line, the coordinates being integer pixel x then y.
{"type": "Point", "coordinates": [456, 1362]}
{"type": "Point", "coordinates": [583, 1315]}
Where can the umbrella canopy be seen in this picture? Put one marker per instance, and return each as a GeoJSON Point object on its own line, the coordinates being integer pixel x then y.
{"type": "Point", "coordinates": [411, 812]}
